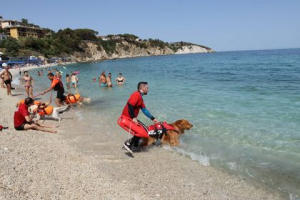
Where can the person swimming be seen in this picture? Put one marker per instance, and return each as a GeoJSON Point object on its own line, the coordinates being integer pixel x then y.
{"type": "Point", "coordinates": [120, 80]}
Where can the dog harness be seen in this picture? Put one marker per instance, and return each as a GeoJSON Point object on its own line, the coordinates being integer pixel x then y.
{"type": "Point", "coordinates": [159, 129]}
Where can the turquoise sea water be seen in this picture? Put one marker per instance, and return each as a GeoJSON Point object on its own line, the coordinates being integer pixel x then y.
{"type": "Point", "coordinates": [245, 107]}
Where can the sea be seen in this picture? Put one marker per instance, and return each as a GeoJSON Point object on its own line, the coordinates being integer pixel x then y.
{"type": "Point", "coordinates": [244, 105]}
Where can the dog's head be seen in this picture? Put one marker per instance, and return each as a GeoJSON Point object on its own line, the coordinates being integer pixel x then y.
{"type": "Point", "coordinates": [32, 109]}
{"type": "Point", "coordinates": [183, 125]}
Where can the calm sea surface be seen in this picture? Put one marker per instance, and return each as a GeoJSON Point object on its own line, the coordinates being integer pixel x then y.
{"type": "Point", "coordinates": [245, 107]}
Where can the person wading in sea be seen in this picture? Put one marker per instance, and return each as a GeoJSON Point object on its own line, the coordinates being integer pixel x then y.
{"type": "Point", "coordinates": [58, 86]}
{"type": "Point", "coordinates": [131, 110]}
{"type": "Point", "coordinates": [102, 80]}
{"type": "Point", "coordinates": [28, 84]}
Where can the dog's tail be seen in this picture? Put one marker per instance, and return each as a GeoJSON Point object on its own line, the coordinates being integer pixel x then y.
{"type": "Point", "coordinates": [87, 100]}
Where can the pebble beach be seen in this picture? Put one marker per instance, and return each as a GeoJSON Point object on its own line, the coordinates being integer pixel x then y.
{"type": "Point", "coordinates": [37, 165]}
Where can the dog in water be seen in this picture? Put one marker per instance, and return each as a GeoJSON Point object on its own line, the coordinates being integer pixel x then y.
{"type": "Point", "coordinates": [171, 136]}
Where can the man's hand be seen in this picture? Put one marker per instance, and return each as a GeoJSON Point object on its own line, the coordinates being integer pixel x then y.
{"type": "Point", "coordinates": [155, 121]}
{"type": "Point", "coordinates": [135, 121]}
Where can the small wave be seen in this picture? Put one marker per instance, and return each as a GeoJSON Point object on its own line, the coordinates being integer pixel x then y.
{"type": "Point", "coordinates": [78, 115]}
{"type": "Point", "coordinates": [294, 197]}
{"type": "Point", "coordinates": [16, 81]}
{"type": "Point", "coordinates": [204, 160]}
{"type": "Point", "coordinates": [232, 165]}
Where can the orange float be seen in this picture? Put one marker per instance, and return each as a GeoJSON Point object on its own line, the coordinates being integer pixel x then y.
{"type": "Point", "coordinates": [135, 129]}
{"type": "Point", "coordinates": [72, 98]}
{"type": "Point", "coordinates": [34, 102]}
{"type": "Point", "coordinates": [44, 110]}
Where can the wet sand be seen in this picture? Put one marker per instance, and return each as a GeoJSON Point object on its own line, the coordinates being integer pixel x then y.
{"type": "Point", "coordinates": [37, 165]}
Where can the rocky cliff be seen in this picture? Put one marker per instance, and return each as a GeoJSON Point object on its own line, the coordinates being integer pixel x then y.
{"type": "Point", "coordinates": [193, 49]}
{"type": "Point", "coordinates": [93, 52]}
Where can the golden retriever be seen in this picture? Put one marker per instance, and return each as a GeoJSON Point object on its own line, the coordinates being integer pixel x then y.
{"type": "Point", "coordinates": [172, 136]}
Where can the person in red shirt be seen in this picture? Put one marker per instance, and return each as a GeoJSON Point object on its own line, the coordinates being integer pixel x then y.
{"type": "Point", "coordinates": [56, 85]}
{"type": "Point", "coordinates": [134, 104]}
{"type": "Point", "coordinates": [22, 120]}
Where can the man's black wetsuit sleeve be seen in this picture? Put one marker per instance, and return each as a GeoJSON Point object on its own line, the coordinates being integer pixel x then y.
{"type": "Point", "coordinates": [131, 110]}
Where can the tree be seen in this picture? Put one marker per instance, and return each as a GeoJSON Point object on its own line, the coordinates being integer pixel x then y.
{"type": "Point", "coordinates": [86, 34]}
{"type": "Point", "coordinates": [12, 47]}
{"type": "Point", "coordinates": [24, 21]}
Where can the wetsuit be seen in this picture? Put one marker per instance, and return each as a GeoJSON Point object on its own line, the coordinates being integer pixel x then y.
{"type": "Point", "coordinates": [134, 104]}
{"type": "Point", "coordinates": [57, 85]}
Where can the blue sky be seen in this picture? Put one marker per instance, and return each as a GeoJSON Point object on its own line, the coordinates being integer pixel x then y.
{"type": "Point", "coordinates": [224, 25]}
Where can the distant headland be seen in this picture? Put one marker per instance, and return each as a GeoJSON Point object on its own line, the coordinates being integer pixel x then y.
{"type": "Point", "coordinates": [23, 39]}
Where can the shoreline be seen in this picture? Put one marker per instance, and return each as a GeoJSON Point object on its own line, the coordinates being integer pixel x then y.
{"type": "Point", "coordinates": [41, 165]}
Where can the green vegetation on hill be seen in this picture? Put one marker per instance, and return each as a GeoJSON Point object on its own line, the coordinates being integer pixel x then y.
{"type": "Point", "coordinates": [67, 41]}
{"type": "Point", "coordinates": [61, 43]}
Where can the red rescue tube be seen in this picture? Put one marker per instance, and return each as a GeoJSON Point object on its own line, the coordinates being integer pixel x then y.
{"type": "Point", "coordinates": [135, 129]}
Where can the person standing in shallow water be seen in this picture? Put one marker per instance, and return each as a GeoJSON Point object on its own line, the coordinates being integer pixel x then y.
{"type": "Point", "coordinates": [28, 84]}
{"type": "Point", "coordinates": [120, 80]}
{"type": "Point", "coordinates": [131, 110]}
{"type": "Point", "coordinates": [74, 80]}
{"type": "Point", "coordinates": [102, 80]}
{"type": "Point", "coordinates": [108, 80]}
{"type": "Point", "coordinates": [68, 80]}
{"type": "Point", "coordinates": [56, 85]}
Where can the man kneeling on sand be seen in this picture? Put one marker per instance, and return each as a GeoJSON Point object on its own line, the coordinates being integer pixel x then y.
{"type": "Point", "coordinates": [23, 121]}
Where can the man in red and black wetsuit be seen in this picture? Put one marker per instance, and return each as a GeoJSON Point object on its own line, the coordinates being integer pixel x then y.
{"type": "Point", "coordinates": [58, 86]}
{"type": "Point", "coordinates": [134, 104]}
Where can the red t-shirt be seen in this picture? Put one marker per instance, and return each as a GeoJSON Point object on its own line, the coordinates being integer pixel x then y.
{"type": "Point", "coordinates": [136, 101]}
{"type": "Point", "coordinates": [19, 117]}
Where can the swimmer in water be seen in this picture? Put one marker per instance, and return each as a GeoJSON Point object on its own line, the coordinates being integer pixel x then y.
{"type": "Point", "coordinates": [120, 80]}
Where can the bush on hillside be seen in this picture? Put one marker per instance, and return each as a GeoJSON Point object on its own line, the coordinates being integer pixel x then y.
{"type": "Point", "coordinates": [109, 45]}
{"type": "Point", "coordinates": [11, 45]}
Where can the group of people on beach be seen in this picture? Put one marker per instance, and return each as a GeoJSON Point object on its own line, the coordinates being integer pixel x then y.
{"type": "Point", "coordinates": [23, 120]}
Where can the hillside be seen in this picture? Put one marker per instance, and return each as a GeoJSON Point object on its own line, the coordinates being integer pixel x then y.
{"type": "Point", "coordinates": [82, 45]}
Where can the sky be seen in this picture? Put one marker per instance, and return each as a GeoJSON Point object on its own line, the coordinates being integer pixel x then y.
{"type": "Point", "coordinates": [223, 25]}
